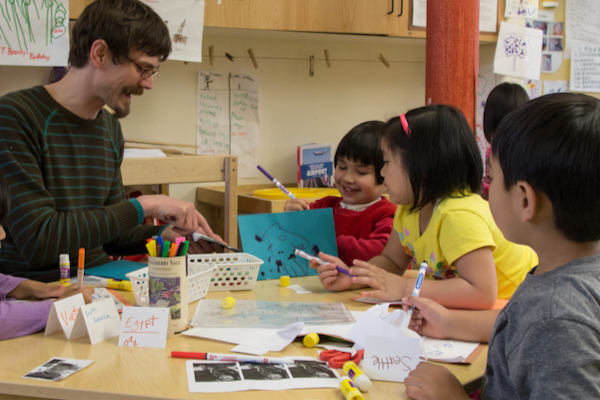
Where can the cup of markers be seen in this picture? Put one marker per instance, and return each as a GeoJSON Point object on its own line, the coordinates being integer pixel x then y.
{"type": "Point", "coordinates": [168, 282]}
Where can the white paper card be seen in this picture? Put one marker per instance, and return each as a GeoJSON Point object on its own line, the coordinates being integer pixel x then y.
{"type": "Point", "coordinates": [63, 315]}
{"type": "Point", "coordinates": [144, 327]}
{"type": "Point", "coordinates": [519, 51]}
{"type": "Point", "coordinates": [377, 321]}
{"type": "Point", "coordinates": [299, 289]}
{"type": "Point", "coordinates": [391, 358]}
{"type": "Point", "coordinates": [585, 68]}
{"type": "Point", "coordinates": [270, 341]}
{"type": "Point", "coordinates": [551, 87]}
{"type": "Point", "coordinates": [99, 320]}
{"type": "Point", "coordinates": [521, 8]}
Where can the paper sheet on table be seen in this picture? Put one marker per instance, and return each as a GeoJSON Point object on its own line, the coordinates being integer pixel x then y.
{"type": "Point", "coordinates": [451, 351]}
{"type": "Point", "coordinates": [259, 344]}
{"type": "Point", "coordinates": [299, 289]}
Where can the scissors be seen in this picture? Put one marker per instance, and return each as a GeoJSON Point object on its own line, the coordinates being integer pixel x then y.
{"type": "Point", "coordinates": [337, 359]}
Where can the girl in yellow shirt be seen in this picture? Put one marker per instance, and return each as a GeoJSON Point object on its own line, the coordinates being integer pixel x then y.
{"type": "Point", "coordinates": [433, 171]}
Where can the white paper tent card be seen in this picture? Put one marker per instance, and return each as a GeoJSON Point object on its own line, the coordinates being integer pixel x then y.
{"type": "Point", "coordinates": [63, 315]}
{"type": "Point", "coordinates": [519, 51]}
{"type": "Point", "coordinates": [99, 320]}
{"type": "Point", "coordinates": [144, 327]}
{"type": "Point", "coordinates": [391, 358]}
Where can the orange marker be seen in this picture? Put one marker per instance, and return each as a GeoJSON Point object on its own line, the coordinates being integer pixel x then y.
{"type": "Point", "coordinates": [81, 263]}
{"type": "Point", "coordinates": [173, 250]}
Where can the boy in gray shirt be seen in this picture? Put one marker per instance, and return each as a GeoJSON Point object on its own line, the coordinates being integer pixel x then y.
{"type": "Point", "coordinates": [545, 344]}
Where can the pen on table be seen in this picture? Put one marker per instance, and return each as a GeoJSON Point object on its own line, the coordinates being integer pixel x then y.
{"type": "Point", "coordinates": [416, 290]}
{"type": "Point", "coordinates": [276, 183]}
{"type": "Point", "coordinates": [80, 265]}
{"type": "Point", "coordinates": [116, 284]}
{"type": "Point", "coordinates": [197, 236]}
{"type": "Point", "coordinates": [229, 357]}
{"type": "Point", "coordinates": [307, 256]}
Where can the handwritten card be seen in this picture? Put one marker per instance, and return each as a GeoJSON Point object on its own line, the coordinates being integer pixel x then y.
{"type": "Point", "coordinates": [521, 8]}
{"type": "Point", "coordinates": [144, 327]}
{"type": "Point", "coordinates": [100, 320]}
{"type": "Point", "coordinates": [274, 237]}
{"type": "Point", "coordinates": [63, 315]}
{"type": "Point", "coordinates": [391, 358]}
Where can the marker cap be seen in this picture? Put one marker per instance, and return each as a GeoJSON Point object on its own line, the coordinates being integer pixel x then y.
{"type": "Point", "coordinates": [311, 340]}
{"type": "Point", "coordinates": [64, 259]}
{"type": "Point", "coordinates": [228, 302]}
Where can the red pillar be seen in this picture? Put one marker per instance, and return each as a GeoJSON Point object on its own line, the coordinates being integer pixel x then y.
{"type": "Point", "coordinates": [452, 55]}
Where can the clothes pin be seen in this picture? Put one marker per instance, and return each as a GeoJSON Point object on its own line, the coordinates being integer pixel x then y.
{"type": "Point", "coordinates": [327, 58]}
{"type": "Point", "coordinates": [229, 57]}
{"type": "Point", "coordinates": [312, 65]}
{"type": "Point", "coordinates": [253, 58]}
{"type": "Point", "coordinates": [383, 60]}
{"type": "Point", "coordinates": [211, 53]}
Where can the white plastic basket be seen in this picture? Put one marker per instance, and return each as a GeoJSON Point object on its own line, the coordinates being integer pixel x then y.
{"type": "Point", "coordinates": [235, 271]}
{"type": "Point", "coordinates": [199, 277]}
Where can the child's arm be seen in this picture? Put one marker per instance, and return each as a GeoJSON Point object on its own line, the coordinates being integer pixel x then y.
{"type": "Point", "coordinates": [364, 249]}
{"type": "Point", "coordinates": [296, 205]}
{"type": "Point", "coordinates": [430, 382]}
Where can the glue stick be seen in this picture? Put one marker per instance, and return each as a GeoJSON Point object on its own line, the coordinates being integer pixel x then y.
{"type": "Point", "coordinates": [65, 270]}
{"type": "Point", "coordinates": [350, 391]}
{"type": "Point", "coordinates": [361, 380]}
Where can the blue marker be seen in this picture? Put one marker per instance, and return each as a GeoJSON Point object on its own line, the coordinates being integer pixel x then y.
{"type": "Point", "coordinates": [416, 290]}
{"type": "Point", "coordinates": [307, 256]}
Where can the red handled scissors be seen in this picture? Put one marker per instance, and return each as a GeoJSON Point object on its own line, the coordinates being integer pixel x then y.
{"type": "Point", "coordinates": [337, 359]}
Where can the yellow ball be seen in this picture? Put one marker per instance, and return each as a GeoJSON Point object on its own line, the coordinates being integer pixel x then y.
{"type": "Point", "coordinates": [311, 340]}
{"type": "Point", "coordinates": [228, 302]}
{"type": "Point", "coordinates": [284, 281]}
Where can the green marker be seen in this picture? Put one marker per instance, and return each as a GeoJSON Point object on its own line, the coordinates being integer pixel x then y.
{"type": "Point", "coordinates": [185, 247]}
{"type": "Point", "coordinates": [166, 248]}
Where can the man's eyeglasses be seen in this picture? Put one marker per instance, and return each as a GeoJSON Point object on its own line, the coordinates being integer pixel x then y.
{"type": "Point", "coordinates": [145, 72]}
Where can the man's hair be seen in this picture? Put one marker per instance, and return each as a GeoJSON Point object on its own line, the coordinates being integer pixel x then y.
{"type": "Point", "coordinates": [502, 99]}
{"type": "Point", "coordinates": [124, 25]}
{"type": "Point", "coordinates": [553, 143]}
{"type": "Point", "coordinates": [440, 155]}
{"type": "Point", "coordinates": [363, 144]}
{"type": "Point", "coordinates": [4, 200]}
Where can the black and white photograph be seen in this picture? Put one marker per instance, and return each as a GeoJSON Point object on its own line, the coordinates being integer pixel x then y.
{"type": "Point", "coordinates": [57, 369]}
{"type": "Point", "coordinates": [310, 369]}
{"type": "Point", "coordinates": [270, 372]}
{"type": "Point", "coordinates": [204, 372]}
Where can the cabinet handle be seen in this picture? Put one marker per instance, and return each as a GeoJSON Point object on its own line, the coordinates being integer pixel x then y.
{"type": "Point", "coordinates": [401, 8]}
{"type": "Point", "coordinates": [391, 12]}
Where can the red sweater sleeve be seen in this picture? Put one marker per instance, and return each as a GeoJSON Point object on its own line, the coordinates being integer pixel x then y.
{"type": "Point", "coordinates": [365, 249]}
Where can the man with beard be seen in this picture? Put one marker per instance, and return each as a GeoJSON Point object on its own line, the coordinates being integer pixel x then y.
{"type": "Point", "coordinates": [61, 151]}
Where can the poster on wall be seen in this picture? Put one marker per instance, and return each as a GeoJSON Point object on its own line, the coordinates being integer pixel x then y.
{"type": "Point", "coordinates": [185, 20]}
{"type": "Point", "coordinates": [488, 14]}
{"type": "Point", "coordinates": [34, 33]}
{"type": "Point", "coordinates": [519, 51]}
{"type": "Point", "coordinates": [521, 8]}
{"type": "Point", "coordinates": [585, 68]}
{"type": "Point", "coordinates": [227, 118]}
{"type": "Point", "coordinates": [582, 20]}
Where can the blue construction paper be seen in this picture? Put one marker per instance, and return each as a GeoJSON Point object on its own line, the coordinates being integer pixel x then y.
{"type": "Point", "coordinates": [115, 269]}
{"type": "Point", "coordinates": [274, 237]}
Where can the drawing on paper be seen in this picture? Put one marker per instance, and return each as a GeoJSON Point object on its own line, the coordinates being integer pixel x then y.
{"type": "Point", "coordinates": [17, 17]}
{"type": "Point", "coordinates": [178, 39]}
{"type": "Point", "coordinates": [515, 46]}
{"type": "Point", "coordinates": [208, 81]}
{"type": "Point", "coordinates": [280, 245]}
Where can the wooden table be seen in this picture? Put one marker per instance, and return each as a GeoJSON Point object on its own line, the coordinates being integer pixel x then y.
{"type": "Point", "coordinates": [129, 373]}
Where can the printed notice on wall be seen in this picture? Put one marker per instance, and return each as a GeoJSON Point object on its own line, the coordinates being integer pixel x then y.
{"type": "Point", "coordinates": [185, 20]}
{"type": "Point", "coordinates": [585, 68]}
{"type": "Point", "coordinates": [34, 33]}
{"type": "Point", "coordinates": [227, 118]}
{"type": "Point", "coordinates": [582, 23]}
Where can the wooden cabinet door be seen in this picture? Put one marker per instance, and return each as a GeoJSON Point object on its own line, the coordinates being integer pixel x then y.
{"type": "Point", "coordinates": [227, 14]}
{"type": "Point", "coordinates": [76, 7]}
{"type": "Point", "coordinates": [332, 16]}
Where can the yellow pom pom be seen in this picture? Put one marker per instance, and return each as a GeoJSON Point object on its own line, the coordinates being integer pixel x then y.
{"type": "Point", "coordinates": [311, 340]}
{"type": "Point", "coordinates": [228, 302]}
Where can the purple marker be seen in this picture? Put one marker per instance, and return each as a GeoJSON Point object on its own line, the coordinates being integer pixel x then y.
{"type": "Point", "coordinates": [276, 182]}
{"type": "Point", "coordinates": [304, 255]}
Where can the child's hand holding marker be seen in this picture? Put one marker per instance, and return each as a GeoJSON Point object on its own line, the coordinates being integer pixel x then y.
{"type": "Point", "coordinates": [296, 205]}
{"type": "Point", "coordinates": [333, 273]}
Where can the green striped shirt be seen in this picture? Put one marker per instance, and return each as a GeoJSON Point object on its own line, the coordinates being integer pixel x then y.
{"type": "Point", "coordinates": [66, 189]}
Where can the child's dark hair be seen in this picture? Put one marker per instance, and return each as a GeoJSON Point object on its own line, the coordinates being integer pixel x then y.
{"type": "Point", "coordinates": [124, 25]}
{"type": "Point", "coordinates": [502, 99]}
{"type": "Point", "coordinates": [4, 200]}
{"type": "Point", "coordinates": [440, 155]}
{"type": "Point", "coordinates": [363, 144]}
{"type": "Point", "coordinates": [553, 143]}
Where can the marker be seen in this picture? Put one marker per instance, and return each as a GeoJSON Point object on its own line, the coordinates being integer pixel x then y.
{"type": "Point", "coordinates": [229, 357]}
{"type": "Point", "coordinates": [173, 250]}
{"type": "Point", "coordinates": [165, 251]}
{"type": "Point", "coordinates": [276, 183]}
{"type": "Point", "coordinates": [116, 284]}
{"type": "Point", "coordinates": [197, 236]}
{"type": "Point", "coordinates": [416, 290]}
{"type": "Point", "coordinates": [306, 256]}
{"type": "Point", "coordinates": [183, 251]}
{"type": "Point", "coordinates": [81, 263]}
{"type": "Point", "coordinates": [159, 246]}
{"type": "Point", "coordinates": [151, 248]}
